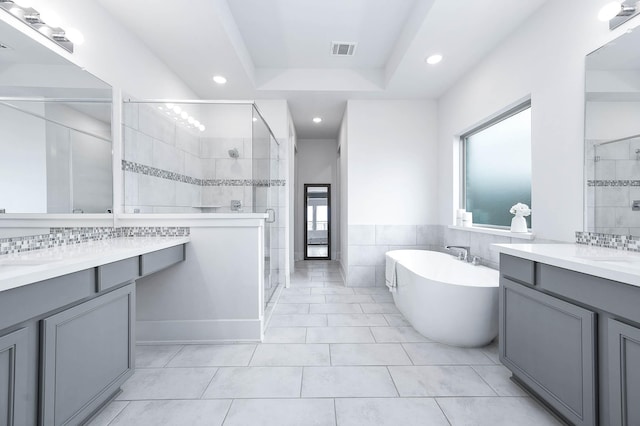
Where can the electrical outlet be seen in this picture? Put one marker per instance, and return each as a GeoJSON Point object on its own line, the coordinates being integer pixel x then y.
{"type": "Point", "coordinates": [635, 205]}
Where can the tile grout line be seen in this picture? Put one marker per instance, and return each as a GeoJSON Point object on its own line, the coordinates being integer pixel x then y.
{"type": "Point", "coordinates": [227, 413]}
{"type": "Point", "coordinates": [483, 379]}
{"type": "Point", "coordinates": [252, 355]}
{"type": "Point", "coordinates": [393, 381]}
{"type": "Point", "coordinates": [335, 411]}
{"type": "Point", "coordinates": [117, 415]}
{"type": "Point", "coordinates": [209, 384]}
{"type": "Point", "coordinates": [405, 351]}
{"type": "Point", "coordinates": [442, 411]}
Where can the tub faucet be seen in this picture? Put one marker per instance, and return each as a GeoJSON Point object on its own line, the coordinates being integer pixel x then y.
{"type": "Point", "coordinates": [464, 252]}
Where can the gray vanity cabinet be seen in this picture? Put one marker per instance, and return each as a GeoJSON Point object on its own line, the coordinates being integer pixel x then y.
{"type": "Point", "coordinates": [624, 373]}
{"type": "Point", "coordinates": [549, 345]}
{"type": "Point", "coordinates": [14, 379]}
{"type": "Point", "coordinates": [87, 353]}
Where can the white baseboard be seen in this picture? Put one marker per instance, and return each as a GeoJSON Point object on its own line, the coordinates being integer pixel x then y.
{"type": "Point", "coordinates": [203, 331]}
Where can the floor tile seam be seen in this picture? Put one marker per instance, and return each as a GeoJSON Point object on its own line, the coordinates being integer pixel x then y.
{"type": "Point", "coordinates": [226, 414]}
{"type": "Point", "coordinates": [253, 354]}
{"type": "Point", "coordinates": [335, 412]}
{"type": "Point", "coordinates": [166, 364]}
{"type": "Point", "coordinates": [209, 383]}
{"type": "Point", "coordinates": [442, 411]}
{"type": "Point", "coordinates": [395, 386]}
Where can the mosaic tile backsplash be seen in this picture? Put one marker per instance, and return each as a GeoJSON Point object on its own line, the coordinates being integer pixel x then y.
{"type": "Point", "coordinates": [619, 242]}
{"type": "Point", "coordinates": [68, 236]}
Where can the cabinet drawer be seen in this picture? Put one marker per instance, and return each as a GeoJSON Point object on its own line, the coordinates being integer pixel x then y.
{"type": "Point", "coordinates": [549, 345]}
{"type": "Point", "coordinates": [26, 302]}
{"type": "Point", "coordinates": [153, 262]}
{"type": "Point", "coordinates": [113, 274]}
{"type": "Point", "coordinates": [610, 296]}
{"type": "Point", "coordinates": [517, 269]}
{"type": "Point", "coordinates": [86, 355]}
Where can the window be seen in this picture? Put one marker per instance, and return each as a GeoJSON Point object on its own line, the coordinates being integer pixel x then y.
{"type": "Point", "coordinates": [497, 167]}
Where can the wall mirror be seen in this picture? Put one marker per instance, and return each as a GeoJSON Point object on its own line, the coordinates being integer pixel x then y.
{"type": "Point", "coordinates": [55, 122]}
{"type": "Point", "coordinates": [612, 137]}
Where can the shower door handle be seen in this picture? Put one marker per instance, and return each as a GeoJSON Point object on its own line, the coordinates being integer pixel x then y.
{"type": "Point", "coordinates": [272, 215]}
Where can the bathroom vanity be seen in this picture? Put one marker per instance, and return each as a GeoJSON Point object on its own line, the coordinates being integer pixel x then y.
{"type": "Point", "coordinates": [67, 320]}
{"type": "Point", "coordinates": [570, 329]}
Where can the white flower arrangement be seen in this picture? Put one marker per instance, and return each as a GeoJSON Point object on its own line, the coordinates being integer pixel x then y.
{"type": "Point", "coordinates": [520, 210]}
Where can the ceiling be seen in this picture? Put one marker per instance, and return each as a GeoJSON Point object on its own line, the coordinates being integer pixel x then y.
{"type": "Point", "coordinates": [280, 49]}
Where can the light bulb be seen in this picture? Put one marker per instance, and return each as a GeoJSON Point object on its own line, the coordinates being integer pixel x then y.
{"type": "Point", "coordinates": [434, 59]}
{"type": "Point", "coordinates": [17, 12]}
{"type": "Point", "coordinates": [177, 109]}
{"type": "Point", "coordinates": [255, 119]}
{"type": "Point", "coordinates": [201, 127]}
{"type": "Point", "coordinates": [609, 11]}
{"type": "Point", "coordinates": [219, 79]}
{"type": "Point", "coordinates": [196, 123]}
{"type": "Point", "coordinates": [184, 115]}
{"type": "Point", "coordinates": [51, 18]}
{"type": "Point", "coordinates": [317, 120]}
{"type": "Point", "coordinates": [74, 36]}
{"type": "Point", "coordinates": [191, 120]}
{"type": "Point", "coordinates": [46, 30]}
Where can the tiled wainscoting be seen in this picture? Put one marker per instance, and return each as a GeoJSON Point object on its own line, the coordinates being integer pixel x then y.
{"type": "Point", "coordinates": [331, 356]}
{"type": "Point", "coordinates": [368, 244]}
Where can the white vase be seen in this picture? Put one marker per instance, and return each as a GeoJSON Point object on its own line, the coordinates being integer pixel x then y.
{"type": "Point", "coordinates": [519, 224]}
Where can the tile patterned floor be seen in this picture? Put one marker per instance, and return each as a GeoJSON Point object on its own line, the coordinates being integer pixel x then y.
{"type": "Point", "coordinates": [332, 356]}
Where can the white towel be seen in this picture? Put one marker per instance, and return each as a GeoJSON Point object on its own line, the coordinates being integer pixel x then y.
{"type": "Point", "coordinates": [390, 274]}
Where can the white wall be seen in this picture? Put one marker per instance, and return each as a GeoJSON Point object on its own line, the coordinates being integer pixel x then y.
{"type": "Point", "coordinates": [392, 162]}
{"type": "Point", "coordinates": [23, 163]}
{"type": "Point", "coordinates": [317, 159]}
{"type": "Point", "coordinates": [543, 59]}
{"type": "Point", "coordinates": [115, 55]}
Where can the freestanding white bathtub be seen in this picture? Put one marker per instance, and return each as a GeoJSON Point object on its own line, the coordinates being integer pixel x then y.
{"type": "Point", "coordinates": [445, 299]}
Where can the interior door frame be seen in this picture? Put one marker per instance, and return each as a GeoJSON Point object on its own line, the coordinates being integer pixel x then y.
{"type": "Point", "coordinates": [304, 226]}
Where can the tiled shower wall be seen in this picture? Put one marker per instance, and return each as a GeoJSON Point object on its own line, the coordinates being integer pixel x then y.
{"type": "Point", "coordinates": [368, 244]}
{"type": "Point", "coordinates": [171, 169]}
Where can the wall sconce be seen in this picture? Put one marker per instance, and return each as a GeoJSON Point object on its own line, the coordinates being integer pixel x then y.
{"type": "Point", "coordinates": [619, 12]}
{"type": "Point", "coordinates": [46, 24]}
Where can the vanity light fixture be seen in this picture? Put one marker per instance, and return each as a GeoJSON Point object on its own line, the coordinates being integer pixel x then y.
{"type": "Point", "coordinates": [219, 79]}
{"type": "Point", "coordinates": [46, 22]}
{"type": "Point", "coordinates": [434, 59]}
{"type": "Point", "coordinates": [317, 120]}
{"type": "Point", "coordinates": [618, 12]}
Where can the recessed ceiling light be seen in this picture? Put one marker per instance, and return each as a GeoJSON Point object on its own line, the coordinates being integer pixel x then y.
{"type": "Point", "coordinates": [609, 11]}
{"type": "Point", "coordinates": [317, 120]}
{"type": "Point", "coordinates": [255, 119]}
{"type": "Point", "coordinates": [434, 59]}
{"type": "Point", "coordinates": [219, 79]}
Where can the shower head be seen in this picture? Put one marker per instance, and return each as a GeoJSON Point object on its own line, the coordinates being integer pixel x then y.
{"type": "Point", "coordinates": [233, 153]}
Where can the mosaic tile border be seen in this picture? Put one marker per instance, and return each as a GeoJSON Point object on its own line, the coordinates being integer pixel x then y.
{"type": "Point", "coordinates": [613, 182]}
{"type": "Point", "coordinates": [618, 242]}
{"type": "Point", "coordinates": [69, 236]}
{"type": "Point", "coordinates": [130, 166]}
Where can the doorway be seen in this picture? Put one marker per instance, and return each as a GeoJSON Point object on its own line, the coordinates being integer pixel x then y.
{"type": "Point", "coordinates": [317, 221]}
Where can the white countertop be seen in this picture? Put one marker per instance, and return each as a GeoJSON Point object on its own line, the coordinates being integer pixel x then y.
{"type": "Point", "coordinates": [20, 269]}
{"type": "Point", "coordinates": [616, 265]}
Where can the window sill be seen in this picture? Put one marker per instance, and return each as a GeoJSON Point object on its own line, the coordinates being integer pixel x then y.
{"type": "Point", "coordinates": [495, 231]}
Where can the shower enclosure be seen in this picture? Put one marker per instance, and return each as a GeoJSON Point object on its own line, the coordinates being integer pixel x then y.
{"type": "Point", "coordinates": [208, 157]}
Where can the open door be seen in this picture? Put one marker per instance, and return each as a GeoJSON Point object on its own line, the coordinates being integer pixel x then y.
{"type": "Point", "coordinates": [317, 219]}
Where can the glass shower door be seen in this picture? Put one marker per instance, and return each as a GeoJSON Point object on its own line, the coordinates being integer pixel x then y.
{"type": "Point", "coordinates": [265, 197]}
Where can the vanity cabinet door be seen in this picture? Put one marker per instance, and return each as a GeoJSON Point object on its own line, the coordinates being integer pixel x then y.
{"type": "Point", "coordinates": [549, 345]}
{"type": "Point", "coordinates": [87, 353]}
{"type": "Point", "coordinates": [14, 378]}
{"type": "Point", "coordinates": [624, 373]}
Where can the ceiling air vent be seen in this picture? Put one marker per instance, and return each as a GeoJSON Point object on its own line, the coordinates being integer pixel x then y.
{"type": "Point", "coordinates": [343, 48]}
